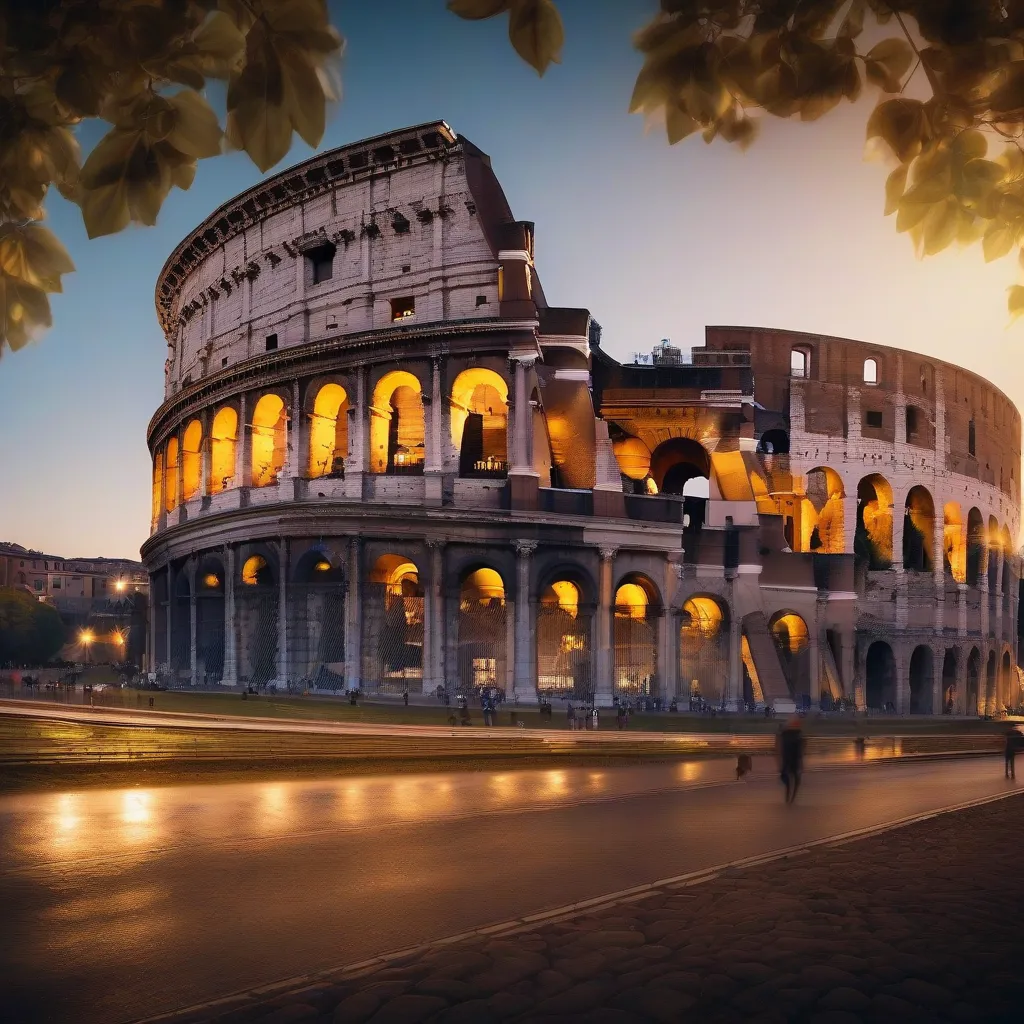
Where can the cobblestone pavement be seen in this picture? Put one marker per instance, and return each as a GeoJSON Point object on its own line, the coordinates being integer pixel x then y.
{"type": "Point", "coordinates": [921, 923]}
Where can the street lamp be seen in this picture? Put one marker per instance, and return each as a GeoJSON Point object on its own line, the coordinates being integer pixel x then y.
{"type": "Point", "coordinates": [86, 638]}
{"type": "Point", "coordinates": [120, 586]}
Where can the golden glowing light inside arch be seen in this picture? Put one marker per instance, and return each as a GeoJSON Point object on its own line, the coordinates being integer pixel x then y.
{"type": "Point", "coordinates": [954, 541]}
{"type": "Point", "coordinates": [191, 460]}
{"type": "Point", "coordinates": [483, 585]}
{"type": "Point", "coordinates": [633, 457]}
{"type": "Point", "coordinates": [877, 514]}
{"type": "Point", "coordinates": [223, 438]}
{"type": "Point", "coordinates": [252, 569]}
{"type": "Point", "coordinates": [171, 475]}
{"type": "Point", "coordinates": [790, 629]}
{"type": "Point", "coordinates": [328, 430]}
{"type": "Point", "coordinates": [631, 601]}
{"type": "Point", "coordinates": [702, 615]}
{"type": "Point", "coordinates": [397, 394]}
{"type": "Point", "coordinates": [269, 440]}
{"type": "Point", "coordinates": [564, 595]}
{"type": "Point", "coordinates": [394, 570]}
{"type": "Point", "coordinates": [821, 509]}
{"type": "Point", "coordinates": [158, 484]}
{"type": "Point", "coordinates": [211, 581]}
{"type": "Point", "coordinates": [484, 392]}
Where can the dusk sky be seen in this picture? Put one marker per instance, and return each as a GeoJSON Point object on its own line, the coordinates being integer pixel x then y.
{"type": "Point", "coordinates": [656, 241]}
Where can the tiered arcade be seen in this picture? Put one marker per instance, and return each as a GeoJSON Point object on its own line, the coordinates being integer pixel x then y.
{"type": "Point", "coordinates": [384, 462]}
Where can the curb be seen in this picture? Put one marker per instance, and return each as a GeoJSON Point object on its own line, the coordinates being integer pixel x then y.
{"type": "Point", "coordinates": [253, 998]}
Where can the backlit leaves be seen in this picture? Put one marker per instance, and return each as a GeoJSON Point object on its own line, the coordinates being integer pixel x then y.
{"type": "Point", "coordinates": [717, 68]}
{"type": "Point", "coordinates": [534, 26]}
{"type": "Point", "coordinates": [32, 262]}
{"type": "Point", "coordinates": [141, 66]}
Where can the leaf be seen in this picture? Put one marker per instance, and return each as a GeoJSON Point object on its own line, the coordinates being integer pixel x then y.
{"type": "Point", "coordinates": [940, 227]}
{"type": "Point", "coordinates": [853, 23]}
{"type": "Point", "coordinates": [474, 10]}
{"type": "Point", "coordinates": [535, 30]}
{"type": "Point", "coordinates": [998, 241]}
{"type": "Point", "coordinates": [304, 96]}
{"type": "Point", "coordinates": [979, 177]}
{"type": "Point", "coordinates": [24, 312]}
{"type": "Point", "coordinates": [1008, 97]}
{"type": "Point", "coordinates": [33, 254]}
{"type": "Point", "coordinates": [901, 124]}
{"type": "Point", "coordinates": [894, 54]}
{"type": "Point", "coordinates": [196, 131]}
{"type": "Point", "coordinates": [219, 44]}
{"type": "Point", "coordinates": [678, 123]}
{"type": "Point", "coordinates": [1015, 301]}
{"type": "Point", "coordinates": [932, 179]}
{"type": "Point", "coordinates": [895, 186]}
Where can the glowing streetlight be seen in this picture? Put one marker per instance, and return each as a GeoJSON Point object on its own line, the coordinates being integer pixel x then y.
{"type": "Point", "coordinates": [120, 586]}
{"type": "Point", "coordinates": [85, 638]}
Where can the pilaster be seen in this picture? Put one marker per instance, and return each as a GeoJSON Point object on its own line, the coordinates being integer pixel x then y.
{"type": "Point", "coordinates": [524, 680]}
{"type": "Point", "coordinates": [605, 652]}
{"type": "Point", "coordinates": [354, 616]}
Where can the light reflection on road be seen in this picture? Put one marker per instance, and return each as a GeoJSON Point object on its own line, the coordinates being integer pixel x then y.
{"type": "Point", "coordinates": [52, 828]}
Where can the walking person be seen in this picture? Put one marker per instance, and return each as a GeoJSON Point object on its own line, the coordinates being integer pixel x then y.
{"type": "Point", "coordinates": [1013, 744]}
{"type": "Point", "coordinates": [570, 716]}
{"type": "Point", "coordinates": [790, 748]}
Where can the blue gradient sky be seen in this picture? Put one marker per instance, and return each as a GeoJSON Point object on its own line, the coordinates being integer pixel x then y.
{"type": "Point", "coordinates": [656, 241]}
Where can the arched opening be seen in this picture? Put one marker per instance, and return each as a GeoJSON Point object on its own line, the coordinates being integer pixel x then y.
{"type": "Point", "coordinates": [949, 689]}
{"type": "Point", "coordinates": [256, 610]}
{"type": "Point", "coordinates": [800, 362]}
{"type": "Point", "coordinates": [171, 475]}
{"type": "Point", "coordinates": [563, 641]}
{"type": "Point", "coordinates": [973, 691]}
{"type": "Point", "coordinates": [954, 547]}
{"type": "Point", "coordinates": [994, 547]}
{"type": "Point", "coordinates": [328, 432]}
{"type": "Point", "coordinates": [393, 626]}
{"type": "Point", "coordinates": [482, 632]}
{"type": "Point", "coordinates": [873, 541]}
{"type": "Point", "coordinates": [1006, 549]}
{"type": "Point", "coordinates": [880, 678]}
{"type": "Point", "coordinates": [821, 525]}
{"type": "Point", "coordinates": [635, 625]}
{"type": "Point", "coordinates": [704, 651]}
{"type": "Point", "coordinates": [191, 460]}
{"type": "Point", "coordinates": [921, 681]}
{"type": "Point", "coordinates": [918, 531]}
{"type": "Point", "coordinates": [1008, 697]}
{"type": "Point", "coordinates": [181, 632]}
{"type": "Point", "coordinates": [792, 641]}
{"type": "Point", "coordinates": [989, 702]}
{"type": "Point", "coordinates": [774, 442]}
{"type": "Point", "coordinates": [158, 486]}
{"type": "Point", "coordinates": [223, 438]}
{"type": "Point", "coordinates": [269, 440]}
{"type": "Point", "coordinates": [976, 547]}
{"type": "Point", "coordinates": [317, 605]}
{"type": "Point", "coordinates": [682, 467]}
{"type": "Point", "coordinates": [210, 622]}
{"type": "Point", "coordinates": [479, 423]}
{"type": "Point", "coordinates": [870, 371]}
{"type": "Point", "coordinates": [397, 425]}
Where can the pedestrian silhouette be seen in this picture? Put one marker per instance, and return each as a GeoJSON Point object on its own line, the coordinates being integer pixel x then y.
{"type": "Point", "coordinates": [790, 750]}
{"type": "Point", "coordinates": [1013, 744]}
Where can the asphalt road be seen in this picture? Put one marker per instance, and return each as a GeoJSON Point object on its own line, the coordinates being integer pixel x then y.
{"type": "Point", "coordinates": [117, 904]}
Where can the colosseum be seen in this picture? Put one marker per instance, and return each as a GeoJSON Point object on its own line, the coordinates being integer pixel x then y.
{"type": "Point", "coordinates": [384, 462]}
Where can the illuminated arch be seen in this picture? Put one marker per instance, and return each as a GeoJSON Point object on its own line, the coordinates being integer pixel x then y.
{"type": "Point", "coordinates": [563, 640]}
{"type": "Point", "coordinates": [191, 461]}
{"type": "Point", "coordinates": [269, 440]}
{"type": "Point", "coordinates": [328, 432]}
{"type": "Point", "coordinates": [976, 547]}
{"type": "Point", "coordinates": [479, 422]}
{"type": "Point", "coordinates": [256, 572]}
{"type": "Point", "coordinates": [677, 462]}
{"type": "Point", "coordinates": [633, 457]}
{"type": "Point", "coordinates": [223, 439]}
{"type": "Point", "coordinates": [397, 425]}
{"type": "Point", "coordinates": [792, 641]}
{"type": "Point", "coordinates": [821, 513]}
{"type": "Point", "coordinates": [873, 542]}
{"type": "Point", "coordinates": [482, 632]}
{"type": "Point", "coordinates": [704, 649]}
{"type": "Point", "coordinates": [171, 475]}
{"type": "Point", "coordinates": [919, 531]}
{"type": "Point", "coordinates": [158, 485]}
{"type": "Point", "coordinates": [635, 639]}
{"type": "Point", "coordinates": [954, 547]}
{"type": "Point", "coordinates": [994, 546]}
{"type": "Point", "coordinates": [482, 586]}
{"type": "Point", "coordinates": [393, 625]}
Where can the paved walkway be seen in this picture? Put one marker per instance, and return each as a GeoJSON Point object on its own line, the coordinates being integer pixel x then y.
{"type": "Point", "coordinates": [920, 923]}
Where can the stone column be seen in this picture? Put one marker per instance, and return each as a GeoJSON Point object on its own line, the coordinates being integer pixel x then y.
{"type": "Point", "coordinates": [243, 446]}
{"type": "Point", "coordinates": [668, 662]}
{"type": "Point", "coordinates": [168, 611]}
{"type": "Point", "coordinates": [939, 568]}
{"type": "Point", "coordinates": [524, 681]}
{"type": "Point", "coordinates": [355, 463]}
{"type": "Point", "coordinates": [902, 681]}
{"type": "Point", "coordinates": [524, 480]}
{"type": "Point", "coordinates": [152, 658]}
{"type": "Point", "coordinates": [193, 642]}
{"type": "Point", "coordinates": [853, 687]}
{"type": "Point", "coordinates": [603, 691]}
{"type": "Point", "coordinates": [433, 626]}
{"type": "Point", "coordinates": [734, 690]}
{"type": "Point", "coordinates": [283, 664]}
{"type": "Point", "coordinates": [433, 471]}
{"type": "Point", "coordinates": [814, 676]}
{"type": "Point", "coordinates": [205, 454]}
{"type": "Point", "coordinates": [293, 468]}
{"type": "Point", "coordinates": [179, 477]}
{"type": "Point", "coordinates": [354, 616]}
{"type": "Point", "coordinates": [230, 636]}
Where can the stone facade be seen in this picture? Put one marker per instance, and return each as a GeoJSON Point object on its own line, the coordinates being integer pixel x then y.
{"type": "Point", "coordinates": [384, 462]}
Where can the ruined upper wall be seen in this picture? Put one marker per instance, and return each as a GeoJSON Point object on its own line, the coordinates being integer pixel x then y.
{"type": "Point", "coordinates": [944, 399]}
{"type": "Point", "coordinates": [413, 215]}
